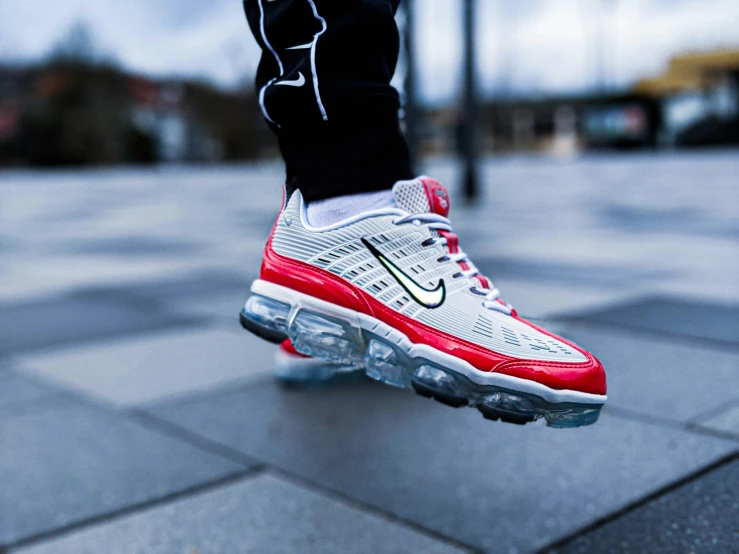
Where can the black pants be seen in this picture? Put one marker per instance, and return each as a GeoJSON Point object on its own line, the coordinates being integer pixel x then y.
{"type": "Point", "coordinates": [324, 88]}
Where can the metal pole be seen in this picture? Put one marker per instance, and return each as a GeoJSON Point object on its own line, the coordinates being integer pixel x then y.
{"type": "Point", "coordinates": [411, 106]}
{"type": "Point", "coordinates": [469, 132]}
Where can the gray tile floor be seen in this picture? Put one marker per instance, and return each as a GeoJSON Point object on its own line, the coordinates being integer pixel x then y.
{"type": "Point", "coordinates": [138, 370]}
{"type": "Point", "coordinates": [688, 318]}
{"type": "Point", "coordinates": [19, 393]}
{"type": "Point", "coordinates": [482, 484]}
{"type": "Point", "coordinates": [134, 413]}
{"type": "Point", "coordinates": [700, 516]}
{"type": "Point", "coordinates": [659, 376]}
{"type": "Point", "coordinates": [265, 514]}
{"type": "Point", "coordinates": [69, 463]}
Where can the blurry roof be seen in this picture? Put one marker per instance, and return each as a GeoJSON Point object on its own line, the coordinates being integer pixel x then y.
{"type": "Point", "coordinates": [690, 72]}
{"type": "Point", "coordinates": [720, 59]}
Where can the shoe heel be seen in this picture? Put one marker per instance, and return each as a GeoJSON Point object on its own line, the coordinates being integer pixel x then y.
{"type": "Point", "coordinates": [326, 337]}
{"type": "Point", "coordinates": [265, 317]}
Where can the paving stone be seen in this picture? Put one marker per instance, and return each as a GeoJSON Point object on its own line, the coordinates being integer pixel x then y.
{"type": "Point", "coordinates": [534, 299]}
{"type": "Point", "coordinates": [699, 517]}
{"type": "Point", "coordinates": [62, 466]}
{"type": "Point", "coordinates": [502, 487]}
{"type": "Point", "coordinates": [724, 422]}
{"type": "Point", "coordinates": [197, 285]}
{"type": "Point", "coordinates": [35, 274]}
{"type": "Point", "coordinates": [261, 515]}
{"type": "Point", "coordinates": [682, 317]}
{"type": "Point", "coordinates": [140, 370]}
{"type": "Point", "coordinates": [558, 272]}
{"type": "Point", "coordinates": [203, 294]}
{"type": "Point", "coordinates": [639, 218]}
{"type": "Point", "coordinates": [51, 322]}
{"type": "Point", "coordinates": [224, 306]}
{"type": "Point", "coordinates": [133, 246]}
{"type": "Point", "coordinates": [660, 377]}
{"type": "Point", "coordinates": [18, 392]}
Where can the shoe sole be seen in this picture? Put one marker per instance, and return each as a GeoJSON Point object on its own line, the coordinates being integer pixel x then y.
{"type": "Point", "coordinates": [345, 337]}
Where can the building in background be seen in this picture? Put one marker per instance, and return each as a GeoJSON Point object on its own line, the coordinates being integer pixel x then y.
{"type": "Point", "coordinates": [79, 113]}
{"type": "Point", "coordinates": [695, 103]}
{"type": "Point", "coordinates": [699, 94]}
{"type": "Point", "coordinates": [78, 108]}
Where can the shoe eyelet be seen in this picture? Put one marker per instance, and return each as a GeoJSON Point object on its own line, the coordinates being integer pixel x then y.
{"type": "Point", "coordinates": [427, 242]}
{"type": "Point", "coordinates": [443, 259]}
{"type": "Point", "coordinates": [456, 275]}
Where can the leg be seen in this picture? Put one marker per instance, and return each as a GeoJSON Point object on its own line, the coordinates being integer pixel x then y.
{"type": "Point", "coordinates": [372, 277]}
{"type": "Point", "coordinates": [324, 88]}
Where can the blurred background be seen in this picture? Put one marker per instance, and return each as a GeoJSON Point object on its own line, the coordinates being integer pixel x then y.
{"type": "Point", "coordinates": [172, 81]}
{"type": "Point", "coordinates": [595, 142]}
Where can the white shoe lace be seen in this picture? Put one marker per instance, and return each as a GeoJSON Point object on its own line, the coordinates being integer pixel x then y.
{"type": "Point", "coordinates": [436, 222]}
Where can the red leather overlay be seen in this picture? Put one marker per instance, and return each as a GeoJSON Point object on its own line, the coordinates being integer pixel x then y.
{"type": "Point", "coordinates": [311, 280]}
{"type": "Point", "coordinates": [437, 195]}
{"type": "Point", "coordinates": [585, 377]}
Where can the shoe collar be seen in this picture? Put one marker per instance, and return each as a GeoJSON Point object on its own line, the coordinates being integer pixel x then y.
{"type": "Point", "coordinates": [297, 202]}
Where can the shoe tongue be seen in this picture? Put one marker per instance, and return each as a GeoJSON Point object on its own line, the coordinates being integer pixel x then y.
{"type": "Point", "coordinates": [422, 196]}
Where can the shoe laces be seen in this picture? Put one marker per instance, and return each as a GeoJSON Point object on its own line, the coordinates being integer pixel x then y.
{"type": "Point", "coordinates": [440, 224]}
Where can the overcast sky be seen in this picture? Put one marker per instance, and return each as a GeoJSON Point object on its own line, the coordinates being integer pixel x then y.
{"type": "Point", "coordinates": [525, 46]}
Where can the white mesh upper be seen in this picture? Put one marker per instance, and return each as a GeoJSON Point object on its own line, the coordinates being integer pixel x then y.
{"type": "Point", "coordinates": [411, 196]}
{"type": "Point", "coordinates": [341, 251]}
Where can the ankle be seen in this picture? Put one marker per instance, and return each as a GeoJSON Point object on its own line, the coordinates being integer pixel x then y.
{"type": "Point", "coordinates": [332, 210]}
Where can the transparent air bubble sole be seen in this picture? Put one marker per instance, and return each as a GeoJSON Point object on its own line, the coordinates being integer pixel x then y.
{"type": "Point", "coordinates": [344, 344]}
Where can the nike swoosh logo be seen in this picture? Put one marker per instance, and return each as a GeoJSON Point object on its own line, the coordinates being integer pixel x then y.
{"type": "Point", "coordinates": [300, 46]}
{"type": "Point", "coordinates": [428, 298]}
{"type": "Point", "coordinates": [299, 82]}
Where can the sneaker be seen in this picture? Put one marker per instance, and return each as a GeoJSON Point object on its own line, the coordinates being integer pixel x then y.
{"type": "Point", "coordinates": [294, 368]}
{"type": "Point", "coordinates": [391, 290]}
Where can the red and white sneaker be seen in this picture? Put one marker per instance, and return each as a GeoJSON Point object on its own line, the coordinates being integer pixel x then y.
{"type": "Point", "coordinates": [390, 290]}
{"type": "Point", "coordinates": [294, 368]}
